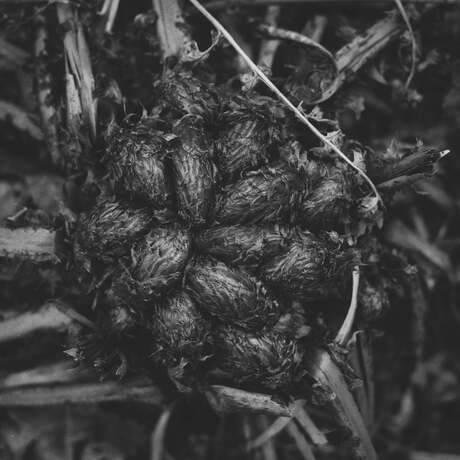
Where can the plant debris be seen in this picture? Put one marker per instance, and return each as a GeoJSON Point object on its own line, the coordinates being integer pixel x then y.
{"type": "Point", "coordinates": [171, 224]}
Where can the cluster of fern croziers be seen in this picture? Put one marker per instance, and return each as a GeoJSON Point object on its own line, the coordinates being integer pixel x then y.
{"type": "Point", "coordinates": [221, 232]}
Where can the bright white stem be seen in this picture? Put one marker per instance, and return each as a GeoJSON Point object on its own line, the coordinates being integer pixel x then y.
{"type": "Point", "coordinates": [114, 4]}
{"type": "Point", "coordinates": [344, 334]}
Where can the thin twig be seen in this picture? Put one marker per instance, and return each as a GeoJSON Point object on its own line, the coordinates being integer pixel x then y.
{"type": "Point", "coordinates": [281, 96]}
{"type": "Point", "coordinates": [344, 334]}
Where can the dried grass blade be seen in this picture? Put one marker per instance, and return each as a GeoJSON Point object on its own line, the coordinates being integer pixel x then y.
{"type": "Point", "coordinates": [230, 400]}
{"type": "Point", "coordinates": [281, 96]}
{"type": "Point", "coordinates": [55, 373]}
{"type": "Point", "coordinates": [172, 37]}
{"type": "Point", "coordinates": [303, 419]}
{"type": "Point", "coordinates": [302, 444]}
{"type": "Point", "coordinates": [79, 69]}
{"type": "Point", "coordinates": [326, 372]}
{"type": "Point", "coordinates": [269, 47]}
{"type": "Point", "coordinates": [270, 432]}
{"type": "Point", "coordinates": [47, 318]}
{"type": "Point", "coordinates": [44, 82]}
{"type": "Point", "coordinates": [20, 119]}
{"type": "Point", "coordinates": [352, 56]}
{"type": "Point", "coordinates": [82, 393]}
{"type": "Point", "coordinates": [361, 360]}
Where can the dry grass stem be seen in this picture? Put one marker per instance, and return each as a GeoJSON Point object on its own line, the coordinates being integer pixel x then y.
{"type": "Point", "coordinates": [52, 316]}
{"type": "Point", "coordinates": [326, 372]}
{"type": "Point", "coordinates": [303, 419]}
{"type": "Point", "coordinates": [269, 433]}
{"type": "Point", "coordinates": [79, 74]}
{"type": "Point", "coordinates": [227, 400]}
{"type": "Point", "coordinates": [20, 119]}
{"type": "Point", "coordinates": [268, 48]}
{"type": "Point", "coordinates": [37, 245]}
{"type": "Point", "coordinates": [172, 37]}
{"type": "Point", "coordinates": [302, 444]}
{"type": "Point", "coordinates": [54, 373]}
{"type": "Point", "coordinates": [282, 97]}
{"type": "Point", "coordinates": [82, 393]}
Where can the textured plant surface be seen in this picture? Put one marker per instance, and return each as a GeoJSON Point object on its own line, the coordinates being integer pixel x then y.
{"type": "Point", "coordinates": [198, 244]}
{"type": "Point", "coordinates": [204, 242]}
